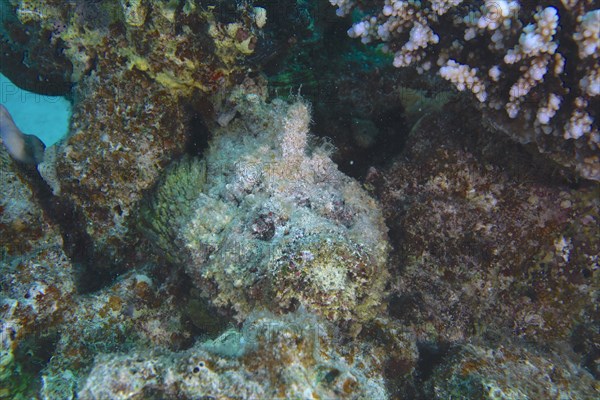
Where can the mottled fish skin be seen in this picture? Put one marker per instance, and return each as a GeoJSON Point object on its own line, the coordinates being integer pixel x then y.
{"type": "Point", "coordinates": [28, 149]}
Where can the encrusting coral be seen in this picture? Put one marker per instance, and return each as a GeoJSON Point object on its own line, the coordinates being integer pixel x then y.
{"type": "Point", "coordinates": [510, 371]}
{"type": "Point", "coordinates": [295, 356]}
{"type": "Point", "coordinates": [125, 130]}
{"type": "Point", "coordinates": [183, 47]}
{"type": "Point", "coordinates": [484, 240]}
{"type": "Point", "coordinates": [535, 69]}
{"type": "Point", "coordinates": [141, 71]}
{"type": "Point", "coordinates": [35, 284]}
{"type": "Point", "coordinates": [276, 225]}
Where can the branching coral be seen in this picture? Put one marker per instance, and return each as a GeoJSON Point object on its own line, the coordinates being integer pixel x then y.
{"type": "Point", "coordinates": [534, 68]}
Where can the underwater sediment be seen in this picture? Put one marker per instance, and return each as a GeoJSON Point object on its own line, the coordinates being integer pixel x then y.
{"type": "Point", "coordinates": [251, 204]}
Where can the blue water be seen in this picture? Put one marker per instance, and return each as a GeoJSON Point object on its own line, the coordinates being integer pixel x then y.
{"type": "Point", "coordinates": [47, 117]}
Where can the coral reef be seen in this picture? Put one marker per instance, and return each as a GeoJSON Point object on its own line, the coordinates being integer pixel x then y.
{"type": "Point", "coordinates": [182, 48]}
{"type": "Point", "coordinates": [295, 356]}
{"type": "Point", "coordinates": [141, 70]}
{"type": "Point", "coordinates": [24, 227]}
{"type": "Point", "coordinates": [191, 238]}
{"type": "Point", "coordinates": [485, 245]}
{"type": "Point", "coordinates": [535, 71]}
{"type": "Point", "coordinates": [485, 241]}
{"type": "Point", "coordinates": [125, 130]}
{"type": "Point", "coordinates": [51, 334]}
{"type": "Point", "coordinates": [48, 331]}
{"type": "Point", "coordinates": [510, 372]}
{"type": "Point", "coordinates": [35, 276]}
{"type": "Point", "coordinates": [129, 115]}
{"type": "Point", "coordinates": [28, 59]}
{"type": "Point", "coordinates": [134, 311]}
{"type": "Point", "coordinates": [275, 225]}
{"type": "Point", "coordinates": [36, 291]}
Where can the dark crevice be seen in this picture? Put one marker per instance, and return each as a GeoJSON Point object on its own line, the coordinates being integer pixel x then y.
{"type": "Point", "coordinates": [431, 355]}
{"type": "Point", "coordinates": [355, 160]}
{"type": "Point", "coordinates": [197, 112]}
{"type": "Point", "coordinates": [582, 343]}
{"type": "Point", "coordinates": [92, 270]}
{"type": "Point", "coordinates": [199, 135]}
{"type": "Point", "coordinates": [34, 352]}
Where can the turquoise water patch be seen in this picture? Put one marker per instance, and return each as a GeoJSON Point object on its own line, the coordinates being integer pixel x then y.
{"type": "Point", "coordinates": [47, 117]}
